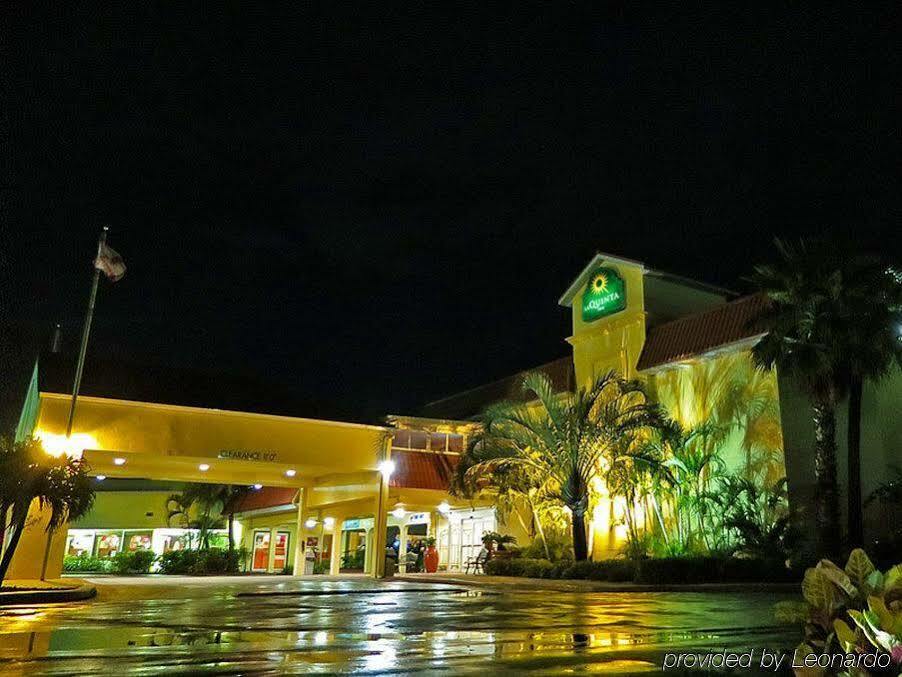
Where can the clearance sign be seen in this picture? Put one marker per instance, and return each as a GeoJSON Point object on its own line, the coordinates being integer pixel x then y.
{"type": "Point", "coordinates": [605, 294]}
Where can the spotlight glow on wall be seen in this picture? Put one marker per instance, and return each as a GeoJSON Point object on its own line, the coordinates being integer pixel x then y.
{"type": "Point", "coordinates": [258, 487]}
{"type": "Point", "coordinates": [100, 478]}
{"type": "Point", "coordinates": [444, 508]}
{"type": "Point", "coordinates": [59, 445]}
{"type": "Point", "coordinates": [118, 461]}
{"type": "Point", "coordinates": [329, 522]}
{"type": "Point", "coordinates": [291, 472]}
{"type": "Point", "coordinates": [399, 512]}
{"type": "Point", "coordinates": [310, 523]}
{"type": "Point", "coordinates": [203, 467]}
{"type": "Point", "coordinates": [387, 468]}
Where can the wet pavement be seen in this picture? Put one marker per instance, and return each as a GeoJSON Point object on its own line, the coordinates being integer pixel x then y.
{"type": "Point", "coordinates": [279, 625]}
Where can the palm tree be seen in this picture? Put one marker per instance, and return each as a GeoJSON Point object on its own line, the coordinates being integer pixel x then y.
{"type": "Point", "coordinates": [562, 438]}
{"type": "Point", "coordinates": [27, 474]}
{"type": "Point", "coordinates": [871, 347]}
{"type": "Point", "coordinates": [514, 489]}
{"type": "Point", "coordinates": [208, 501]}
{"type": "Point", "coordinates": [804, 322]}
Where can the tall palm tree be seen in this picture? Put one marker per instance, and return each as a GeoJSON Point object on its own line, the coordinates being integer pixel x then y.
{"type": "Point", "coordinates": [804, 322]}
{"type": "Point", "coordinates": [28, 474]}
{"type": "Point", "coordinates": [872, 349]}
{"type": "Point", "coordinates": [562, 438]}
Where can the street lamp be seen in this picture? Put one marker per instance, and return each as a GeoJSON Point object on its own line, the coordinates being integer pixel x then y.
{"type": "Point", "coordinates": [387, 467]}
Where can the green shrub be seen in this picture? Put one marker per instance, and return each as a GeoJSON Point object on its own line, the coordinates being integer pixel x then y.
{"type": "Point", "coordinates": [520, 566]}
{"type": "Point", "coordinates": [500, 567]}
{"type": "Point", "coordinates": [676, 570]}
{"type": "Point", "coordinates": [353, 560]}
{"type": "Point", "coordinates": [137, 562]}
{"type": "Point", "coordinates": [178, 561]}
{"type": "Point", "coordinates": [616, 570]}
{"type": "Point", "coordinates": [86, 564]}
{"type": "Point", "coordinates": [559, 547]}
{"type": "Point", "coordinates": [712, 570]}
{"type": "Point", "coordinates": [197, 562]}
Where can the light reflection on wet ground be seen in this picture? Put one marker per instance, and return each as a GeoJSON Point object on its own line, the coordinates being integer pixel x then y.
{"type": "Point", "coordinates": [238, 626]}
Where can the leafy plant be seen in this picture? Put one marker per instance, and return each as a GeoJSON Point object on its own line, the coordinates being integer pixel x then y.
{"type": "Point", "coordinates": [855, 609]}
{"type": "Point", "coordinates": [558, 442]}
{"type": "Point", "coordinates": [136, 562]}
{"type": "Point", "coordinates": [86, 564]}
{"type": "Point", "coordinates": [59, 484]}
{"type": "Point", "coordinates": [353, 560]}
{"type": "Point", "coordinates": [197, 562]}
{"type": "Point", "coordinates": [760, 517]}
{"type": "Point", "coordinates": [493, 538]}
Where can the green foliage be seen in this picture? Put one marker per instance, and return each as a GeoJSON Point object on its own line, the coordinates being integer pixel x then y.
{"type": "Point", "coordinates": [321, 567]}
{"type": "Point", "coordinates": [556, 546]}
{"type": "Point", "coordinates": [854, 609]}
{"type": "Point", "coordinates": [675, 570]}
{"type": "Point", "coordinates": [709, 569]}
{"type": "Point", "coordinates": [353, 560]}
{"type": "Point", "coordinates": [198, 562]}
{"type": "Point", "coordinates": [551, 452]}
{"type": "Point", "coordinates": [759, 517]}
{"type": "Point", "coordinates": [86, 564]}
{"type": "Point", "coordinates": [60, 484]}
{"type": "Point", "coordinates": [496, 539]}
{"type": "Point", "coordinates": [136, 562]}
{"type": "Point", "coordinates": [519, 566]}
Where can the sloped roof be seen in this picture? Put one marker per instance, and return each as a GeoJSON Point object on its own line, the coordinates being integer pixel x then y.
{"type": "Point", "coordinates": [700, 333]}
{"type": "Point", "coordinates": [267, 497]}
{"type": "Point", "coordinates": [470, 403]}
{"type": "Point", "coordinates": [422, 470]}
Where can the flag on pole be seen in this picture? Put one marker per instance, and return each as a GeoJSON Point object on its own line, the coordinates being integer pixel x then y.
{"type": "Point", "coordinates": [110, 263]}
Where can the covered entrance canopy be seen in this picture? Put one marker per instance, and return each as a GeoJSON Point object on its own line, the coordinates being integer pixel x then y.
{"type": "Point", "coordinates": [331, 464]}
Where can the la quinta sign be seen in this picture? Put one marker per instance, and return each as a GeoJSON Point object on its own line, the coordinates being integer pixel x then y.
{"type": "Point", "coordinates": [605, 294]}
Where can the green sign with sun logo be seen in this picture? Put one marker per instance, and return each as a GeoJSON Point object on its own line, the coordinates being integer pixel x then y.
{"type": "Point", "coordinates": [605, 294]}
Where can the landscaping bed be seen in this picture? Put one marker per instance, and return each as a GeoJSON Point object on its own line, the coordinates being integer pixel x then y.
{"type": "Point", "coordinates": [668, 570]}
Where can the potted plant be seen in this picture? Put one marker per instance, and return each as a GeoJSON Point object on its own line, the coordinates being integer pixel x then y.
{"type": "Point", "coordinates": [430, 557]}
{"type": "Point", "coordinates": [492, 538]}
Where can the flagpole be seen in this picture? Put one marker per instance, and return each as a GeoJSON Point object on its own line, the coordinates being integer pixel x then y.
{"type": "Point", "coordinates": [86, 332]}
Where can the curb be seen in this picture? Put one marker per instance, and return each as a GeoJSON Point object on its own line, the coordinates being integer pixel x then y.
{"type": "Point", "coordinates": [48, 596]}
{"type": "Point", "coordinates": [543, 584]}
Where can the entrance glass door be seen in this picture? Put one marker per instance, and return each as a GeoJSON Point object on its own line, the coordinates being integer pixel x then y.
{"type": "Point", "coordinates": [280, 556]}
{"type": "Point", "coordinates": [261, 551]}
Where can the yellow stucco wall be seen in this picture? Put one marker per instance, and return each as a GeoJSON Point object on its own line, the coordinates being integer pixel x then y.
{"type": "Point", "coordinates": [126, 510]}
{"type": "Point", "coordinates": [29, 558]}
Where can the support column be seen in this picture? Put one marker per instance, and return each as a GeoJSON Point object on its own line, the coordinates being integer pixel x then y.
{"type": "Point", "coordinates": [368, 558]}
{"type": "Point", "coordinates": [300, 542]}
{"type": "Point", "coordinates": [335, 560]}
{"type": "Point", "coordinates": [402, 550]}
{"type": "Point", "coordinates": [380, 521]}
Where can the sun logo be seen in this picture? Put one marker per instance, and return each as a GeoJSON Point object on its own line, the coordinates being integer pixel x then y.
{"type": "Point", "coordinates": [600, 283]}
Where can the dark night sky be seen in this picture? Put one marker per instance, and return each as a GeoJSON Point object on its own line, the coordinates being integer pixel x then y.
{"type": "Point", "coordinates": [377, 211]}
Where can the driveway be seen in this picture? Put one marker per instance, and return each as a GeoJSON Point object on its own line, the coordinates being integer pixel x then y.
{"type": "Point", "coordinates": [277, 625]}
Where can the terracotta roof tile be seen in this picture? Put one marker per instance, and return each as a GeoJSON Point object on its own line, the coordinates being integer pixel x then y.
{"type": "Point", "coordinates": [422, 470]}
{"type": "Point", "coordinates": [697, 334]}
{"type": "Point", "coordinates": [267, 497]}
